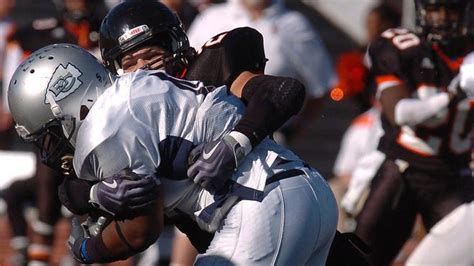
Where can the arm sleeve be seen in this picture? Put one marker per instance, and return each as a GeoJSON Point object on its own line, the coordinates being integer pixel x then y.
{"type": "Point", "coordinates": [416, 111]}
{"type": "Point", "coordinates": [271, 101]}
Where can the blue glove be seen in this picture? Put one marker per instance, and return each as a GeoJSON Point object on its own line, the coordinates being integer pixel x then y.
{"type": "Point", "coordinates": [77, 240]}
{"type": "Point", "coordinates": [124, 194]}
{"type": "Point", "coordinates": [212, 164]}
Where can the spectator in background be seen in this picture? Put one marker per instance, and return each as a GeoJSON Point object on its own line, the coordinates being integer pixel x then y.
{"type": "Point", "coordinates": [354, 79]}
{"type": "Point", "coordinates": [292, 46]}
{"type": "Point", "coordinates": [184, 9]}
{"type": "Point", "coordinates": [358, 159]}
{"type": "Point", "coordinates": [78, 21]}
{"type": "Point", "coordinates": [83, 18]}
{"type": "Point", "coordinates": [6, 26]}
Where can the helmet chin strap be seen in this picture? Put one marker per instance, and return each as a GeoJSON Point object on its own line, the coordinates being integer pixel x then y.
{"type": "Point", "coordinates": [54, 106]}
{"type": "Point", "coordinates": [67, 121]}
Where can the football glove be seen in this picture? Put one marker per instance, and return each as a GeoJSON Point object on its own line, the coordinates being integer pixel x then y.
{"type": "Point", "coordinates": [212, 164]}
{"type": "Point", "coordinates": [80, 233]}
{"type": "Point", "coordinates": [124, 194]}
{"type": "Point", "coordinates": [77, 240]}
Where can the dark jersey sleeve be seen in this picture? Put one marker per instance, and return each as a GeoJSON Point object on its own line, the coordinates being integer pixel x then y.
{"type": "Point", "coordinates": [394, 56]}
{"type": "Point", "coordinates": [270, 100]}
{"type": "Point", "coordinates": [226, 55]}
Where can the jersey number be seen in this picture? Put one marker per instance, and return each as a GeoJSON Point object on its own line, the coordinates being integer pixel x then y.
{"type": "Point", "coordinates": [401, 38]}
{"type": "Point", "coordinates": [213, 41]}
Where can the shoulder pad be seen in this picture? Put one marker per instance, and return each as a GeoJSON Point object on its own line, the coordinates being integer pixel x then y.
{"type": "Point", "coordinates": [398, 40]}
{"type": "Point", "coordinates": [230, 53]}
{"type": "Point", "coordinates": [394, 51]}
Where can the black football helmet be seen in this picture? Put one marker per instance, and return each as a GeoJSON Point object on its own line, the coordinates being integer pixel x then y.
{"type": "Point", "coordinates": [454, 25]}
{"type": "Point", "coordinates": [136, 22]}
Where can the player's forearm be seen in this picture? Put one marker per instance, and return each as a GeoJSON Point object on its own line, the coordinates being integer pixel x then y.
{"type": "Point", "coordinates": [122, 239]}
{"type": "Point", "coordinates": [132, 236]}
{"type": "Point", "coordinates": [271, 101]}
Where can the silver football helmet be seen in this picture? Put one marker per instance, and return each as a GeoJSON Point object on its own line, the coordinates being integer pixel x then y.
{"type": "Point", "coordinates": [50, 94]}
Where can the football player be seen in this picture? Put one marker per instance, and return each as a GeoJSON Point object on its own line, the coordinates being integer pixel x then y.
{"type": "Point", "coordinates": [275, 209]}
{"type": "Point", "coordinates": [427, 125]}
{"type": "Point", "coordinates": [146, 34]}
{"type": "Point", "coordinates": [136, 34]}
{"type": "Point", "coordinates": [456, 227]}
{"type": "Point", "coordinates": [131, 38]}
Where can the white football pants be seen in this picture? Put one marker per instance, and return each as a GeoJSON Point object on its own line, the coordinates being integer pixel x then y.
{"type": "Point", "coordinates": [293, 225]}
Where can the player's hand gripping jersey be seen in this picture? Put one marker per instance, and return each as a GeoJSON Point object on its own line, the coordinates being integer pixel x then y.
{"type": "Point", "coordinates": [399, 56]}
{"type": "Point", "coordinates": [149, 121]}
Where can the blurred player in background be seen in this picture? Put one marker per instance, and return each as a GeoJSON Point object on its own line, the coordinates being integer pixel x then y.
{"type": "Point", "coordinates": [456, 227]}
{"type": "Point", "coordinates": [426, 127]}
{"type": "Point", "coordinates": [362, 136]}
{"type": "Point", "coordinates": [82, 18]}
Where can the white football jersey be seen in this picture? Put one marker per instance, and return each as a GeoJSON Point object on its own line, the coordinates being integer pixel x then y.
{"type": "Point", "coordinates": [148, 121]}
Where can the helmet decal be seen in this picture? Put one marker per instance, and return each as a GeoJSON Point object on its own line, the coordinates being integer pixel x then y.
{"type": "Point", "coordinates": [130, 34]}
{"type": "Point", "coordinates": [65, 81]}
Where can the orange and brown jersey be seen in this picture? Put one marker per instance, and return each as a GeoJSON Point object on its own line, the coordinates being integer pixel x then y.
{"type": "Point", "coordinates": [401, 57]}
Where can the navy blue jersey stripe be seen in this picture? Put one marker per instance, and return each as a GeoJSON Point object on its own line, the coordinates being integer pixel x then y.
{"type": "Point", "coordinates": [186, 85]}
{"type": "Point", "coordinates": [174, 153]}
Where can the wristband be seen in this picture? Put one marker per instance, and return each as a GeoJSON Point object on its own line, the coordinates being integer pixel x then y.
{"type": "Point", "coordinates": [243, 140]}
{"type": "Point", "coordinates": [84, 256]}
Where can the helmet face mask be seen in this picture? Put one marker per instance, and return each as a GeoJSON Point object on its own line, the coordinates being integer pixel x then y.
{"type": "Point", "coordinates": [51, 142]}
{"type": "Point", "coordinates": [442, 21]}
{"type": "Point", "coordinates": [49, 96]}
{"type": "Point", "coordinates": [138, 23]}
